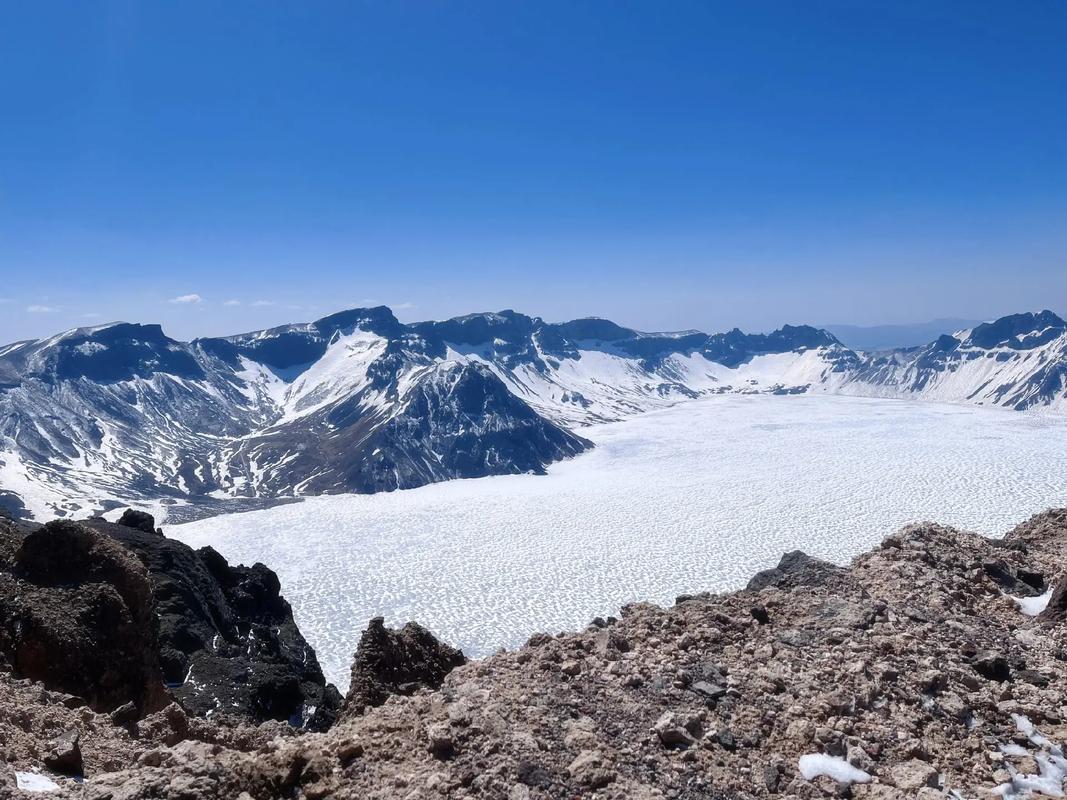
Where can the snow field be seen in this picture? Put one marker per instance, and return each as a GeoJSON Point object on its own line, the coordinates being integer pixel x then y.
{"type": "Point", "coordinates": [696, 497]}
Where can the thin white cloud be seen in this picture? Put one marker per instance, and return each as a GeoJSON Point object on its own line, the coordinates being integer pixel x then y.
{"type": "Point", "coordinates": [232, 303]}
{"type": "Point", "coordinates": [38, 309]}
{"type": "Point", "coordinates": [404, 306]}
{"type": "Point", "coordinates": [264, 303]}
{"type": "Point", "coordinates": [186, 298]}
{"type": "Point", "coordinates": [6, 301]}
{"type": "Point", "coordinates": [91, 315]}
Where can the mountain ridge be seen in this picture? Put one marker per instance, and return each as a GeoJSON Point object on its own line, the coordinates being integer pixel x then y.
{"type": "Point", "coordinates": [115, 414]}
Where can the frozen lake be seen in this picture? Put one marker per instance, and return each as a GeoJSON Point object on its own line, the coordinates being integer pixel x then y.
{"type": "Point", "coordinates": [694, 498]}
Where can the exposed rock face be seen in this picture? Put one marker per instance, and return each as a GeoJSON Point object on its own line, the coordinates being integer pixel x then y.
{"type": "Point", "coordinates": [141, 520]}
{"type": "Point", "coordinates": [110, 613]}
{"type": "Point", "coordinates": [877, 670]}
{"type": "Point", "coordinates": [227, 640]}
{"type": "Point", "coordinates": [1056, 611]}
{"type": "Point", "coordinates": [796, 568]}
{"type": "Point", "coordinates": [401, 662]}
{"type": "Point", "coordinates": [77, 612]}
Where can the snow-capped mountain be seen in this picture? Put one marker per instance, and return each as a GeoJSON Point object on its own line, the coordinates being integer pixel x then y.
{"type": "Point", "coordinates": [1018, 361]}
{"type": "Point", "coordinates": [114, 414]}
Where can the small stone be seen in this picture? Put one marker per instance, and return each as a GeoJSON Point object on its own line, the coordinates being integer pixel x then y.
{"type": "Point", "coordinates": [771, 778]}
{"type": "Point", "coordinates": [571, 668]}
{"type": "Point", "coordinates": [859, 758]}
{"type": "Point", "coordinates": [151, 758]}
{"type": "Point", "coordinates": [349, 751]}
{"type": "Point", "coordinates": [441, 744]}
{"type": "Point", "coordinates": [914, 775]}
{"type": "Point", "coordinates": [591, 769]}
{"type": "Point", "coordinates": [759, 613]}
{"type": "Point", "coordinates": [992, 667]}
{"type": "Point", "coordinates": [726, 740]}
{"type": "Point", "coordinates": [671, 731]}
{"type": "Point", "coordinates": [711, 691]}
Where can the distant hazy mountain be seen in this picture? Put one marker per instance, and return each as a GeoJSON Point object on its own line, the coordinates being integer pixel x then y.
{"type": "Point", "coordinates": [358, 402]}
{"type": "Point", "coordinates": [892, 337]}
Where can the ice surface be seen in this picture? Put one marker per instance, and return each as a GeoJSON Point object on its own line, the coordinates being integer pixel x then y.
{"type": "Point", "coordinates": [815, 764]}
{"type": "Point", "coordinates": [696, 497]}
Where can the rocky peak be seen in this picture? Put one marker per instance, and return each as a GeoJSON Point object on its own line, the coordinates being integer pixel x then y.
{"type": "Point", "coordinates": [390, 662]}
{"type": "Point", "coordinates": [112, 353]}
{"type": "Point", "coordinates": [1018, 331]}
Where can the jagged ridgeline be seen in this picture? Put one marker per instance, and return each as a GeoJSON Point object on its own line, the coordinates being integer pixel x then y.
{"type": "Point", "coordinates": [100, 417]}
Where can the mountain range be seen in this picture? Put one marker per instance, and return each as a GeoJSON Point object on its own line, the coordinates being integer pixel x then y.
{"type": "Point", "coordinates": [119, 414]}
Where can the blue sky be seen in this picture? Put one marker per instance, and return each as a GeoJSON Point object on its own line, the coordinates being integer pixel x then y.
{"type": "Point", "coordinates": [668, 165]}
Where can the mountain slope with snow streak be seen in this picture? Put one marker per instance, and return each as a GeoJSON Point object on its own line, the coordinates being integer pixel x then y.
{"type": "Point", "coordinates": [358, 402]}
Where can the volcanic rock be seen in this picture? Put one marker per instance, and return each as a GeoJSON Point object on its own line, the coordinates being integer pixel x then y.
{"type": "Point", "coordinates": [77, 612]}
{"type": "Point", "coordinates": [796, 568]}
{"type": "Point", "coordinates": [227, 639]}
{"type": "Point", "coordinates": [65, 754]}
{"type": "Point", "coordinates": [392, 662]}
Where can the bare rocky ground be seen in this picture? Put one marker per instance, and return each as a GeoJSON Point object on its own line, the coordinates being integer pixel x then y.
{"type": "Point", "coordinates": [912, 673]}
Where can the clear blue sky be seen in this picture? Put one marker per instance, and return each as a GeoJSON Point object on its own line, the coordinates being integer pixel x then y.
{"type": "Point", "coordinates": [666, 164]}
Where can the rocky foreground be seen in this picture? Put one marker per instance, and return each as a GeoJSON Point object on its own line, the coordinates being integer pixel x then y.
{"type": "Point", "coordinates": [933, 666]}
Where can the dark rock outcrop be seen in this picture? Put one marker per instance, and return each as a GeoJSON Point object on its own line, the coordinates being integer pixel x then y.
{"type": "Point", "coordinates": [796, 568]}
{"type": "Point", "coordinates": [140, 520]}
{"type": "Point", "coordinates": [1056, 610]}
{"type": "Point", "coordinates": [77, 613]}
{"type": "Point", "coordinates": [392, 662]}
{"type": "Point", "coordinates": [112, 613]}
{"type": "Point", "coordinates": [227, 640]}
{"type": "Point", "coordinates": [1014, 581]}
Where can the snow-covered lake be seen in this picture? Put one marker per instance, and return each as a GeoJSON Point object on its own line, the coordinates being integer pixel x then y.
{"type": "Point", "coordinates": [693, 498]}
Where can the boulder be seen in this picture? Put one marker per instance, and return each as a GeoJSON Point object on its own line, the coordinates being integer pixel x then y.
{"type": "Point", "coordinates": [796, 568]}
{"type": "Point", "coordinates": [65, 754]}
{"type": "Point", "coordinates": [139, 520]}
{"type": "Point", "coordinates": [392, 662]}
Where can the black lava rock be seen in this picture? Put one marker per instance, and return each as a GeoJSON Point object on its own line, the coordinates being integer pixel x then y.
{"type": "Point", "coordinates": [392, 662]}
{"type": "Point", "coordinates": [227, 640]}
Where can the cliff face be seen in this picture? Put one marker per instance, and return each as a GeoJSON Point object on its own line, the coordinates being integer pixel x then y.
{"type": "Point", "coordinates": [77, 612]}
{"type": "Point", "coordinates": [117, 614]}
{"type": "Point", "coordinates": [927, 668]}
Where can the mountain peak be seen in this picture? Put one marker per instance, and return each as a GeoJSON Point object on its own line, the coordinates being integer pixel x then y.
{"type": "Point", "coordinates": [1018, 331]}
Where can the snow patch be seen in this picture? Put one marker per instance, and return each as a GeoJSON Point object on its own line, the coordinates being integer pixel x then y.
{"type": "Point", "coordinates": [814, 765]}
{"type": "Point", "coordinates": [34, 782]}
{"type": "Point", "coordinates": [1032, 606]}
{"type": "Point", "coordinates": [1051, 777]}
